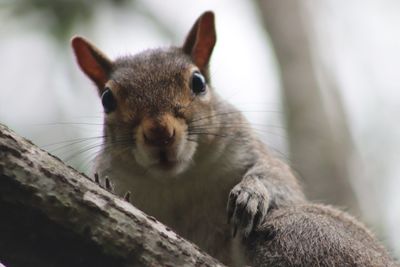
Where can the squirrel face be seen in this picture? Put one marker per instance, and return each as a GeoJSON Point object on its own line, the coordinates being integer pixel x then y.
{"type": "Point", "coordinates": [154, 100]}
{"type": "Point", "coordinates": [151, 99]}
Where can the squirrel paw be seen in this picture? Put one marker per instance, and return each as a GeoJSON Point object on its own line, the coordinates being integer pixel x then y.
{"type": "Point", "coordinates": [247, 205]}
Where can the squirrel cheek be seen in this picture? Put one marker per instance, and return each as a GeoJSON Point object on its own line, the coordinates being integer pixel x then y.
{"type": "Point", "coordinates": [185, 146]}
{"type": "Point", "coordinates": [140, 152]}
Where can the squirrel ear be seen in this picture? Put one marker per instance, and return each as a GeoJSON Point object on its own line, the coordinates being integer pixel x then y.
{"type": "Point", "coordinates": [201, 39]}
{"type": "Point", "coordinates": [92, 62]}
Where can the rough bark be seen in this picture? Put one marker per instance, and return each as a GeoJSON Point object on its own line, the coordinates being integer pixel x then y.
{"type": "Point", "coordinates": [320, 145]}
{"type": "Point", "coordinates": [51, 215]}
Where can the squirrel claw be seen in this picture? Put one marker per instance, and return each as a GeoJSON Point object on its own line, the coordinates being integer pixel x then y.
{"type": "Point", "coordinates": [127, 196]}
{"type": "Point", "coordinates": [96, 178]}
{"type": "Point", "coordinates": [107, 183]}
{"type": "Point", "coordinates": [234, 231]}
{"type": "Point", "coordinates": [231, 205]}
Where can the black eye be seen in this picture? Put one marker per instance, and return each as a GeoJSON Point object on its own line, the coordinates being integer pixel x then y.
{"type": "Point", "coordinates": [198, 83]}
{"type": "Point", "coordinates": [108, 101]}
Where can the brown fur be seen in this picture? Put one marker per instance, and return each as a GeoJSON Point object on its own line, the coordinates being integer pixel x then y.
{"type": "Point", "coordinates": [214, 155]}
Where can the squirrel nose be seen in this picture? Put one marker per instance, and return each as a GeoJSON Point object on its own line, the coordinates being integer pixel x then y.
{"type": "Point", "coordinates": [159, 135]}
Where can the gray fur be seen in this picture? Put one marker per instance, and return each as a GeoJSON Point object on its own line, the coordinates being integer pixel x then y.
{"type": "Point", "coordinates": [315, 235]}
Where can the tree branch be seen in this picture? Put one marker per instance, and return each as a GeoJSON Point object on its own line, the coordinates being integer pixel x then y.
{"type": "Point", "coordinates": [52, 215]}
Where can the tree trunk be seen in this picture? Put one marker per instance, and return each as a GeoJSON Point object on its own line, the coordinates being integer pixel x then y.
{"type": "Point", "coordinates": [320, 144]}
{"type": "Point", "coordinates": [51, 215]}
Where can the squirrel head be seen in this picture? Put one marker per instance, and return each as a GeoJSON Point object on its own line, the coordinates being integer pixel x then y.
{"type": "Point", "coordinates": [152, 99]}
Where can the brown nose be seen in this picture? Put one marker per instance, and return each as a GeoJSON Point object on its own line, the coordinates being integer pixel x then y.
{"type": "Point", "coordinates": [158, 134]}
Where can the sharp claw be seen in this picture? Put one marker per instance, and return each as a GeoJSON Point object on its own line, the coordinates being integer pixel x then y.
{"type": "Point", "coordinates": [249, 228]}
{"type": "Point", "coordinates": [230, 213]}
{"type": "Point", "coordinates": [127, 196]}
{"type": "Point", "coordinates": [231, 207]}
{"type": "Point", "coordinates": [234, 230]}
{"type": "Point", "coordinates": [96, 178]}
{"type": "Point", "coordinates": [108, 185]}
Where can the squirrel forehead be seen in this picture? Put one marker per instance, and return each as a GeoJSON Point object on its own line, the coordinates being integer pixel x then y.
{"type": "Point", "coordinates": [152, 67]}
{"type": "Point", "coordinates": [153, 79]}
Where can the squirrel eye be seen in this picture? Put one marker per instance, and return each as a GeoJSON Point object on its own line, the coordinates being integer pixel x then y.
{"type": "Point", "coordinates": [198, 83]}
{"type": "Point", "coordinates": [108, 101]}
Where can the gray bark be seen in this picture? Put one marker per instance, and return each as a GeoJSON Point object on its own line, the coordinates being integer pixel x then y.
{"type": "Point", "coordinates": [320, 145]}
{"type": "Point", "coordinates": [51, 215]}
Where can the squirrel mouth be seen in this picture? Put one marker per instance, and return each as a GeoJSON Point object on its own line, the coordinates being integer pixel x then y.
{"type": "Point", "coordinates": [165, 162]}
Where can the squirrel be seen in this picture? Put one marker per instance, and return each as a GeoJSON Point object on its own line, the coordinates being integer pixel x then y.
{"type": "Point", "coordinates": [186, 156]}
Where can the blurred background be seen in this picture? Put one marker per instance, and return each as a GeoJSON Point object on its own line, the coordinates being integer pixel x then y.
{"type": "Point", "coordinates": [318, 79]}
